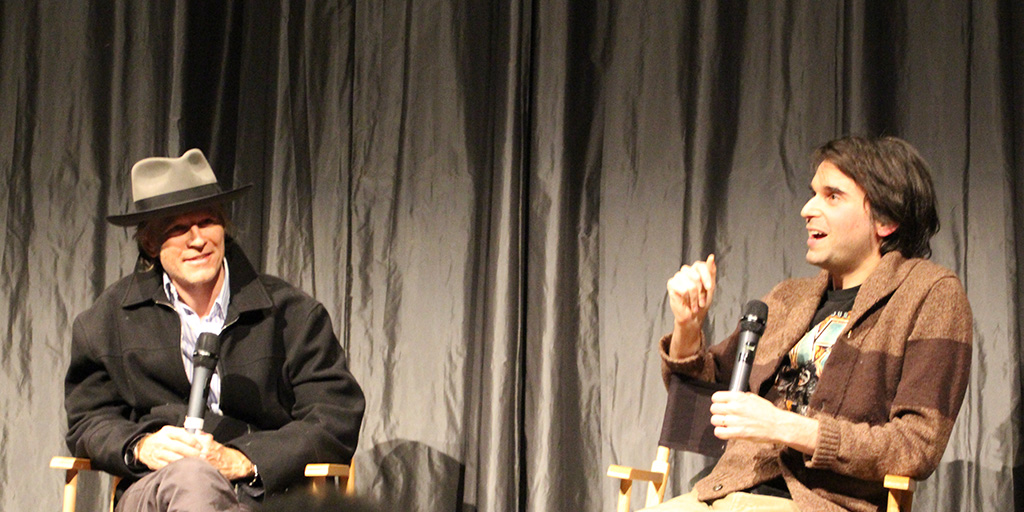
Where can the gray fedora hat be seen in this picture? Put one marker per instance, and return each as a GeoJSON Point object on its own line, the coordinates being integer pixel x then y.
{"type": "Point", "coordinates": [165, 186]}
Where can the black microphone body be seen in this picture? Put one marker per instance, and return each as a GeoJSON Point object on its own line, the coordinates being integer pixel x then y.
{"type": "Point", "coordinates": [755, 316]}
{"type": "Point", "coordinates": [204, 361]}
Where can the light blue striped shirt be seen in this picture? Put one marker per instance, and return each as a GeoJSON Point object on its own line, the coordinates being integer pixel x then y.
{"type": "Point", "coordinates": [192, 326]}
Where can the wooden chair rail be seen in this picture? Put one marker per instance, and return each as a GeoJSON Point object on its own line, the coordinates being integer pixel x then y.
{"type": "Point", "coordinates": [343, 474]}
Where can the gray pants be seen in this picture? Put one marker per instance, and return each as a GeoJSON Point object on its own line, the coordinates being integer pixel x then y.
{"type": "Point", "coordinates": [186, 485]}
{"type": "Point", "coordinates": [735, 502]}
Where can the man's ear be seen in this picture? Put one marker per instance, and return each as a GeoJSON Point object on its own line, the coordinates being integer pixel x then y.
{"type": "Point", "coordinates": [884, 230]}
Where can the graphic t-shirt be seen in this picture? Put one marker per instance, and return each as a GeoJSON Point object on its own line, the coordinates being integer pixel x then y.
{"type": "Point", "coordinates": [798, 377]}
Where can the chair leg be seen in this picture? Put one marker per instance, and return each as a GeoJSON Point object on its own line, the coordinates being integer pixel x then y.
{"type": "Point", "coordinates": [319, 483]}
{"type": "Point", "coordinates": [656, 489]}
{"type": "Point", "coordinates": [899, 501]}
{"type": "Point", "coordinates": [70, 490]}
{"type": "Point", "coordinates": [72, 466]}
{"type": "Point", "coordinates": [625, 492]}
{"type": "Point", "coordinates": [114, 480]}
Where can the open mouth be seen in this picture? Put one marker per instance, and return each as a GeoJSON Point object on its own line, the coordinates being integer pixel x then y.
{"type": "Point", "coordinates": [817, 235]}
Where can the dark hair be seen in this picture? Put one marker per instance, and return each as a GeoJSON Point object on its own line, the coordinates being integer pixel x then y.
{"type": "Point", "coordinates": [897, 184]}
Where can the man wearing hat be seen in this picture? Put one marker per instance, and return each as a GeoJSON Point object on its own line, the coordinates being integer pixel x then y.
{"type": "Point", "coordinates": [281, 395]}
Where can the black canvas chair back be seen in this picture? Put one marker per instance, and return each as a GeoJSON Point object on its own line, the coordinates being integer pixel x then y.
{"type": "Point", "coordinates": [688, 417]}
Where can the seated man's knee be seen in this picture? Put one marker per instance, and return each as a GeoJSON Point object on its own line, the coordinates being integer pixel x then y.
{"type": "Point", "coordinates": [184, 485]}
{"type": "Point", "coordinates": [191, 470]}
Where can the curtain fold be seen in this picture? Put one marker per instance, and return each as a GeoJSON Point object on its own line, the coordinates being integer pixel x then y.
{"type": "Point", "coordinates": [488, 197]}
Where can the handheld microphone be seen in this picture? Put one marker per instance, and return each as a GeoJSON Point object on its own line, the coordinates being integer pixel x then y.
{"type": "Point", "coordinates": [204, 361]}
{"type": "Point", "coordinates": [755, 315]}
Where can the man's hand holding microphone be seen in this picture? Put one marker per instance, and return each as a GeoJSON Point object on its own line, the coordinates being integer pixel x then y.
{"type": "Point", "coordinates": [734, 414]}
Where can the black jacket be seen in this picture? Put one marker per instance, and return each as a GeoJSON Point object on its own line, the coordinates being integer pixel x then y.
{"type": "Point", "coordinates": [286, 393]}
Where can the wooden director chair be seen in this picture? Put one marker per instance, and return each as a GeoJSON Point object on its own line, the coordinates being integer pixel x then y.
{"type": "Point", "coordinates": [342, 474]}
{"type": "Point", "coordinates": [692, 399]}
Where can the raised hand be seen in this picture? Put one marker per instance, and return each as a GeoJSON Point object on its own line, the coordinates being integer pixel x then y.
{"type": "Point", "coordinates": [690, 292]}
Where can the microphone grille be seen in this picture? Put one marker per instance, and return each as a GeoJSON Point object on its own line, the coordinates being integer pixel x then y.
{"type": "Point", "coordinates": [757, 309]}
{"type": "Point", "coordinates": [755, 316]}
{"type": "Point", "coordinates": [208, 344]}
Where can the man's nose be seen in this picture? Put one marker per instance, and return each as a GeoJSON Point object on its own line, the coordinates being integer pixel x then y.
{"type": "Point", "coordinates": [810, 208]}
{"type": "Point", "coordinates": [195, 237]}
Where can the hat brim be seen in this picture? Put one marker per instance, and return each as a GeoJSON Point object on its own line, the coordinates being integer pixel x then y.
{"type": "Point", "coordinates": [194, 203]}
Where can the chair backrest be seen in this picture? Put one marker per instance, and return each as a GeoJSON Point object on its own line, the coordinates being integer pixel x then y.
{"type": "Point", "coordinates": [688, 417]}
{"type": "Point", "coordinates": [685, 427]}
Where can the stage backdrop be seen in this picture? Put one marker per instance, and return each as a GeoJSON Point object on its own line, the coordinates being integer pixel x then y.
{"type": "Point", "coordinates": [489, 195]}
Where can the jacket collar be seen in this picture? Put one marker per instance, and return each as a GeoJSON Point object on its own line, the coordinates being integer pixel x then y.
{"type": "Point", "coordinates": [880, 285]}
{"type": "Point", "coordinates": [890, 273]}
{"type": "Point", "coordinates": [805, 298]}
{"type": "Point", "coordinates": [247, 292]}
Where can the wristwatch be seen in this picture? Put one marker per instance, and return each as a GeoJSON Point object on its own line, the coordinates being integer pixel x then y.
{"type": "Point", "coordinates": [131, 452]}
{"type": "Point", "coordinates": [256, 481]}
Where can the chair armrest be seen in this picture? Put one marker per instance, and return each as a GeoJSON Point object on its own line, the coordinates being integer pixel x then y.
{"type": "Point", "coordinates": [326, 470]}
{"type": "Point", "coordinates": [628, 473]}
{"type": "Point", "coordinates": [901, 493]}
{"type": "Point", "coordinates": [72, 463]}
{"type": "Point", "coordinates": [342, 473]}
{"type": "Point", "coordinates": [900, 483]}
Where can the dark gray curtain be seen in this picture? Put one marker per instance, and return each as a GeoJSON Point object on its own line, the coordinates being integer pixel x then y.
{"type": "Point", "coordinates": [488, 196]}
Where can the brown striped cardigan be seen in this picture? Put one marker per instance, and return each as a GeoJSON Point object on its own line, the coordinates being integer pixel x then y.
{"type": "Point", "coordinates": [886, 400]}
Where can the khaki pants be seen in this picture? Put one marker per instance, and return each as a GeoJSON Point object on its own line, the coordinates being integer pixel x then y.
{"type": "Point", "coordinates": [734, 502]}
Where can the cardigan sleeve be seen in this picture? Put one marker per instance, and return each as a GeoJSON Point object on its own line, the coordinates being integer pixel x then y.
{"type": "Point", "coordinates": [699, 366]}
{"type": "Point", "coordinates": [709, 364]}
{"type": "Point", "coordinates": [935, 370]}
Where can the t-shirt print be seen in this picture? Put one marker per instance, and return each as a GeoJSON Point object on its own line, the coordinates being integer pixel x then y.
{"type": "Point", "coordinates": [798, 377]}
